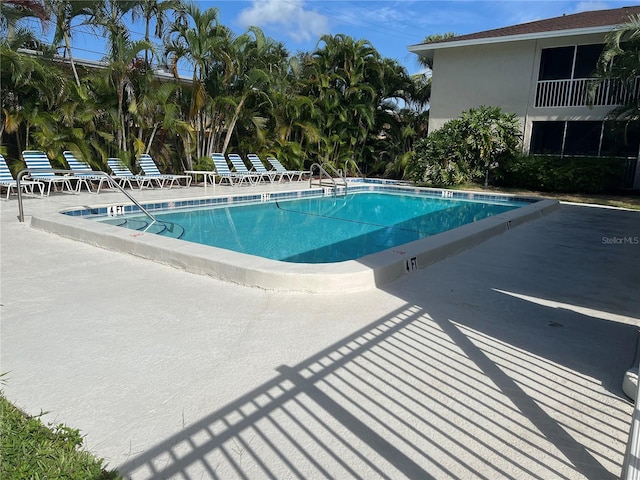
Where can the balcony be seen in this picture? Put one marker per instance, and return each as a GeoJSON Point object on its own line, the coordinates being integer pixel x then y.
{"type": "Point", "coordinates": [575, 93]}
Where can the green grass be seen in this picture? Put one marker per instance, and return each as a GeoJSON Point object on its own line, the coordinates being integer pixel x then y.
{"type": "Point", "coordinates": [31, 450]}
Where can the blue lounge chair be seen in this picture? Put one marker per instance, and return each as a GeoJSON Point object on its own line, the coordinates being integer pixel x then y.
{"type": "Point", "coordinates": [290, 174]}
{"type": "Point", "coordinates": [39, 162]}
{"type": "Point", "coordinates": [258, 167]}
{"type": "Point", "coordinates": [124, 177]}
{"type": "Point", "coordinates": [150, 170]}
{"type": "Point", "coordinates": [7, 181]}
{"type": "Point", "coordinates": [240, 167]}
{"type": "Point", "coordinates": [223, 171]}
{"type": "Point", "coordinates": [82, 172]}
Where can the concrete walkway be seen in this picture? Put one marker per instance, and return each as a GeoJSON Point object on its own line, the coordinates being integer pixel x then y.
{"type": "Point", "coordinates": [505, 361]}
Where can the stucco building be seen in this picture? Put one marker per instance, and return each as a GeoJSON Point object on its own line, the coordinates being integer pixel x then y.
{"type": "Point", "coordinates": [540, 71]}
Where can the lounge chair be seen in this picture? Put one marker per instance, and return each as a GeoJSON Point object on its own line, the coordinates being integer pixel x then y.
{"type": "Point", "coordinates": [240, 167]}
{"type": "Point", "coordinates": [224, 172]}
{"type": "Point", "coordinates": [83, 172]}
{"type": "Point", "coordinates": [290, 174]}
{"type": "Point", "coordinates": [124, 177]}
{"type": "Point", "coordinates": [7, 180]}
{"type": "Point", "coordinates": [40, 162]}
{"type": "Point", "coordinates": [259, 167]}
{"type": "Point", "coordinates": [150, 170]}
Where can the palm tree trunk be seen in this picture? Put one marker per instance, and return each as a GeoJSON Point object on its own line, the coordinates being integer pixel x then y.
{"type": "Point", "coordinates": [211, 139]}
{"type": "Point", "coordinates": [232, 125]}
{"type": "Point", "coordinates": [67, 44]}
{"type": "Point", "coordinates": [187, 147]}
{"type": "Point", "coordinates": [153, 134]}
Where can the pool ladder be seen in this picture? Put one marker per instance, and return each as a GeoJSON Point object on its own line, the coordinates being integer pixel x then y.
{"type": "Point", "coordinates": [326, 180]}
{"type": "Point", "coordinates": [351, 162]}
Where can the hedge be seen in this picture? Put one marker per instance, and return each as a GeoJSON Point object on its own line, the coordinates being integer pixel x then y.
{"type": "Point", "coordinates": [562, 174]}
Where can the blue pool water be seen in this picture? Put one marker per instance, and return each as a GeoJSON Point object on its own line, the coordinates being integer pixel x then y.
{"type": "Point", "coordinates": [318, 230]}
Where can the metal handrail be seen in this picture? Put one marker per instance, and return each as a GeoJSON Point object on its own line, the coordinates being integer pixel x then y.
{"type": "Point", "coordinates": [351, 161]}
{"type": "Point", "coordinates": [110, 179]}
{"type": "Point", "coordinates": [339, 174]}
{"type": "Point", "coordinates": [322, 171]}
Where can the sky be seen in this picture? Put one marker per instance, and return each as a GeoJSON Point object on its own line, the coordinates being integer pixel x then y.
{"type": "Point", "coordinates": [390, 25]}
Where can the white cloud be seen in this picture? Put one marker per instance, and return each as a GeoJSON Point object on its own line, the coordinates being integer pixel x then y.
{"type": "Point", "coordinates": [295, 21]}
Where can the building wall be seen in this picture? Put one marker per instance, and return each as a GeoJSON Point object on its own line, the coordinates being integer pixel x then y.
{"type": "Point", "coordinates": [503, 75]}
{"type": "Point", "coordinates": [490, 75]}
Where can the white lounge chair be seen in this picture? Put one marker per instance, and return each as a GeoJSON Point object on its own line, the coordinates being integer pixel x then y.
{"type": "Point", "coordinates": [290, 174]}
{"type": "Point", "coordinates": [240, 167]}
{"type": "Point", "coordinates": [223, 171]}
{"type": "Point", "coordinates": [39, 162]}
{"type": "Point", "coordinates": [124, 177]}
{"type": "Point", "coordinates": [258, 167]}
{"type": "Point", "coordinates": [150, 170]}
{"type": "Point", "coordinates": [83, 172]}
{"type": "Point", "coordinates": [7, 181]}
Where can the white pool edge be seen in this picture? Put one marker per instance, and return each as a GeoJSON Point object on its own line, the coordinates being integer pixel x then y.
{"type": "Point", "coordinates": [368, 272]}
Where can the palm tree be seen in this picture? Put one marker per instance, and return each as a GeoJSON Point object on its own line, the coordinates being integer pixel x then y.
{"type": "Point", "coordinates": [11, 14]}
{"type": "Point", "coordinates": [155, 10]}
{"type": "Point", "coordinates": [197, 38]}
{"type": "Point", "coordinates": [108, 17]}
{"type": "Point", "coordinates": [80, 120]}
{"type": "Point", "coordinates": [29, 88]}
{"type": "Point", "coordinates": [254, 59]}
{"type": "Point", "coordinates": [121, 69]}
{"type": "Point", "coordinates": [156, 111]}
{"type": "Point", "coordinates": [342, 77]}
{"type": "Point", "coordinates": [620, 61]}
{"type": "Point", "coordinates": [65, 11]}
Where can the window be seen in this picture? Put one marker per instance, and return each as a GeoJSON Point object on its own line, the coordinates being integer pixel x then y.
{"type": "Point", "coordinates": [623, 141]}
{"type": "Point", "coordinates": [564, 63]}
{"type": "Point", "coordinates": [582, 138]}
{"type": "Point", "coordinates": [588, 138]}
{"type": "Point", "coordinates": [587, 60]}
{"type": "Point", "coordinates": [556, 63]}
{"type": "Point", "coordinates": [546, 138]}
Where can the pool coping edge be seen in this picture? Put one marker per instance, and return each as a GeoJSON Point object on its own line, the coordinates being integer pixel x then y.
{"type": "Point", "coordinates": [368, 272]}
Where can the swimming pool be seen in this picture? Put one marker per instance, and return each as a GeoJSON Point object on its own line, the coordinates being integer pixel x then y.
{"type": "Point", "coordinates": [369, 271]}
{"type": "Point", "coordinates": [322, 229]}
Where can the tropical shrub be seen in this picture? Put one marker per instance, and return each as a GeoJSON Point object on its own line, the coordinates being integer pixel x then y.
{"type": "Point", "coordinates": [562, 174]}
{"type": "Point", "coordinates": [466, 148]}
{"type": "Point", "coordinates": [439, 159]}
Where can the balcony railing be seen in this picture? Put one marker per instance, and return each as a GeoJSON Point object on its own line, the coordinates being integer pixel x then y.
{"type": "Point", "coordinates": [575, 93]}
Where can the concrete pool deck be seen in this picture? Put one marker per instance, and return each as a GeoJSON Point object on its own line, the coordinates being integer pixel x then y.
{"type": "Point", "coordinates": [503, 361]}
{"type": "Point", "coordinates": [364, 273]}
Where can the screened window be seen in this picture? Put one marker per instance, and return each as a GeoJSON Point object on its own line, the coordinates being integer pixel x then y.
{"type": "Point", "coordinates": [586, 138]}
{"type": "Point", "coordinates": [587, 60]}
{"type": "Point", "coordinates": [582, 138]}
{"type": "Point", "coordinates": [546, 138]}
{"type": "Point", "coordinates": [556, 63]}
{"type": "Point", "coordinates": [564, 63]}
{"type": "Point", "coordinates": [621, 142]}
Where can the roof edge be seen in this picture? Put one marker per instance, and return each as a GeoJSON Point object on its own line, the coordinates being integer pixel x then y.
{"type": "Point", "coordinates": [426, 47]}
